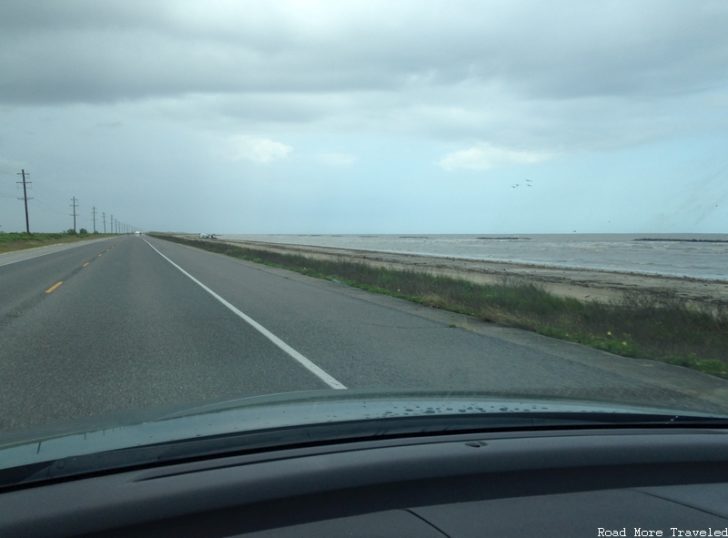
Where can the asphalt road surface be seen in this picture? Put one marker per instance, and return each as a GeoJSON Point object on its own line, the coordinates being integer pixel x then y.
{"type": "Point", "coordinates": [112, 327]}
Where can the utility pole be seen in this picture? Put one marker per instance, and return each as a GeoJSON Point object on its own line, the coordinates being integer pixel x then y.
{"type": "Point", "coordinates": [103, 217]}
{"type": "Point", "coordinates": [111, 223]}
{"type": "Point", "coordinates": [93, 210]}
{"type": "Point", "coordinates": [25, 183]}
{"type": "Point", "coordinates": [74, 207]}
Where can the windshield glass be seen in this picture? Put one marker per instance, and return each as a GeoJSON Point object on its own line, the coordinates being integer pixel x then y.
{"type": "Point", "coordinates": [211, 206]}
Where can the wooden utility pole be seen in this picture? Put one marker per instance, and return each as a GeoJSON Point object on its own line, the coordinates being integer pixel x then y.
{"type": "Point", "coordinates": [74, 207]}
{"type": "Point", "coordinates": [25, 183]}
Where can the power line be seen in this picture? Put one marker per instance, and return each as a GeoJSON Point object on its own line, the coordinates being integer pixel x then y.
{"type": "Point", "coordinates": [49, 207]}
{"type": "Point", "coordinates": [25, 197]}
{"type": "Point", "coordinates": [74, 207]}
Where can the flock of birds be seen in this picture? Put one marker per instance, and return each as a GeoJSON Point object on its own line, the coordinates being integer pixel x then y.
{"type": "Point", "coordinates": [528, 183]}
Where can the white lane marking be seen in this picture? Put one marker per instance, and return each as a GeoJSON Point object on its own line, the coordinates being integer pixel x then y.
{"type": "Point", "coordinates": [306, 363]}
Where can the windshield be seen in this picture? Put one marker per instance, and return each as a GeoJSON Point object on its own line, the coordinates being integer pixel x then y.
{"type": "Point", "coordinates": [358, 210]}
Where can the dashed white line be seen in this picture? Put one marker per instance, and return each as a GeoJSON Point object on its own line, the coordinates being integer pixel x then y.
{"type": "Point", "coordinates": [300, 358]}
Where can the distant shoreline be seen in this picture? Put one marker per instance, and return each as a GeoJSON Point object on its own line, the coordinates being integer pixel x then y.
{"type": "Point", "coordinates": [481, 263]}
{"type": "Point", "coordinates": [579, 283]}
{"type": "Point", "coordinates": [676, 240]}
{"type": "Point", "coordinates": [675, 255]}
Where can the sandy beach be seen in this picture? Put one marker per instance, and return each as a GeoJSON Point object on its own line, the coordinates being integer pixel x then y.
{"type": "Point", "coordinates": [583, 284]}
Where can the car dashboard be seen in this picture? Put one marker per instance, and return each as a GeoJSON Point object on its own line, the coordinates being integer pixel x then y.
{"type": "Point", "coordinates": [573, 482]}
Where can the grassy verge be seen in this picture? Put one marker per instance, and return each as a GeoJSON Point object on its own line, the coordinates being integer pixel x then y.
{"type": "Point", "coordinates": [645, 326]}
{"type": "Point", "coordinates": [18, 241]}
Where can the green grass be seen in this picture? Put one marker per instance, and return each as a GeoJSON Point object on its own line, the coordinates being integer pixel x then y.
{"type": "Point", "coordinates": [646, 326]}
{"type": "Point", "coordinates": [10, 241]}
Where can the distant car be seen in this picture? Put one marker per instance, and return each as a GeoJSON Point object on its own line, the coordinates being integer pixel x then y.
{"type": "Point", "coordinates": [207, 236]}
{"type": "Point", "coordinates": [137, 233]}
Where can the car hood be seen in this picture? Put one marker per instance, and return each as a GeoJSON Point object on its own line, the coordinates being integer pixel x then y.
{"type": "Point", "coordinates": [298, 410]}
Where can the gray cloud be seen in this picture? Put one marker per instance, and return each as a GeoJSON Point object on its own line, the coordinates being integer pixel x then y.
{"type": "Point", "coordinates": [537, 74]}
{"type": "Point", "coordinates": [95, 52]}
{"type": "Point", "coordinates": [372, 89]}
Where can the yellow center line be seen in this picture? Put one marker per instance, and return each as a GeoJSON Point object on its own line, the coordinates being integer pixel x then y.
{"type": "Point", "coordinates": [54, 287]}
{"type": "Point", "coordinates": [85, 264]}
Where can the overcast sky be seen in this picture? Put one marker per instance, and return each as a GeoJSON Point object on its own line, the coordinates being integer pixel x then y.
{"type": "Point", "coordinates": [367, 117]}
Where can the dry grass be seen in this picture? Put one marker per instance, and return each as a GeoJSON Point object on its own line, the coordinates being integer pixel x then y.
{"type": "Point", "coordinates": [19, 241]}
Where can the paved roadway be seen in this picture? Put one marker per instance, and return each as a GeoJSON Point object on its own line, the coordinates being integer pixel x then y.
{"type": "Point", "coordinates": [127, 324]}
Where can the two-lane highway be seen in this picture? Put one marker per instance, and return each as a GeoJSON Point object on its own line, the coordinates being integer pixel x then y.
{"type": "Point", "coordinates": [136, 323]}
{"type": "Point", "coordinates": [128, 331]}
{"type": "Point", "coordinates": [21, 272]}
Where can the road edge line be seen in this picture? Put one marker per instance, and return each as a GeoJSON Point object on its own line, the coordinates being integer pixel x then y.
{"type": "Point", "coordinates": [67, 246]}
{"type": "Point", "coordinates": [300, 358]}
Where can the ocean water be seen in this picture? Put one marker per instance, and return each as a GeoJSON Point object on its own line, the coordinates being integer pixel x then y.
{"type": "Point", "coordinates": [702, 256]}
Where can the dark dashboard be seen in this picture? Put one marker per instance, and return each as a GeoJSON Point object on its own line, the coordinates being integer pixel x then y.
{"type": "Point", "coordinates": [659, 481]}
